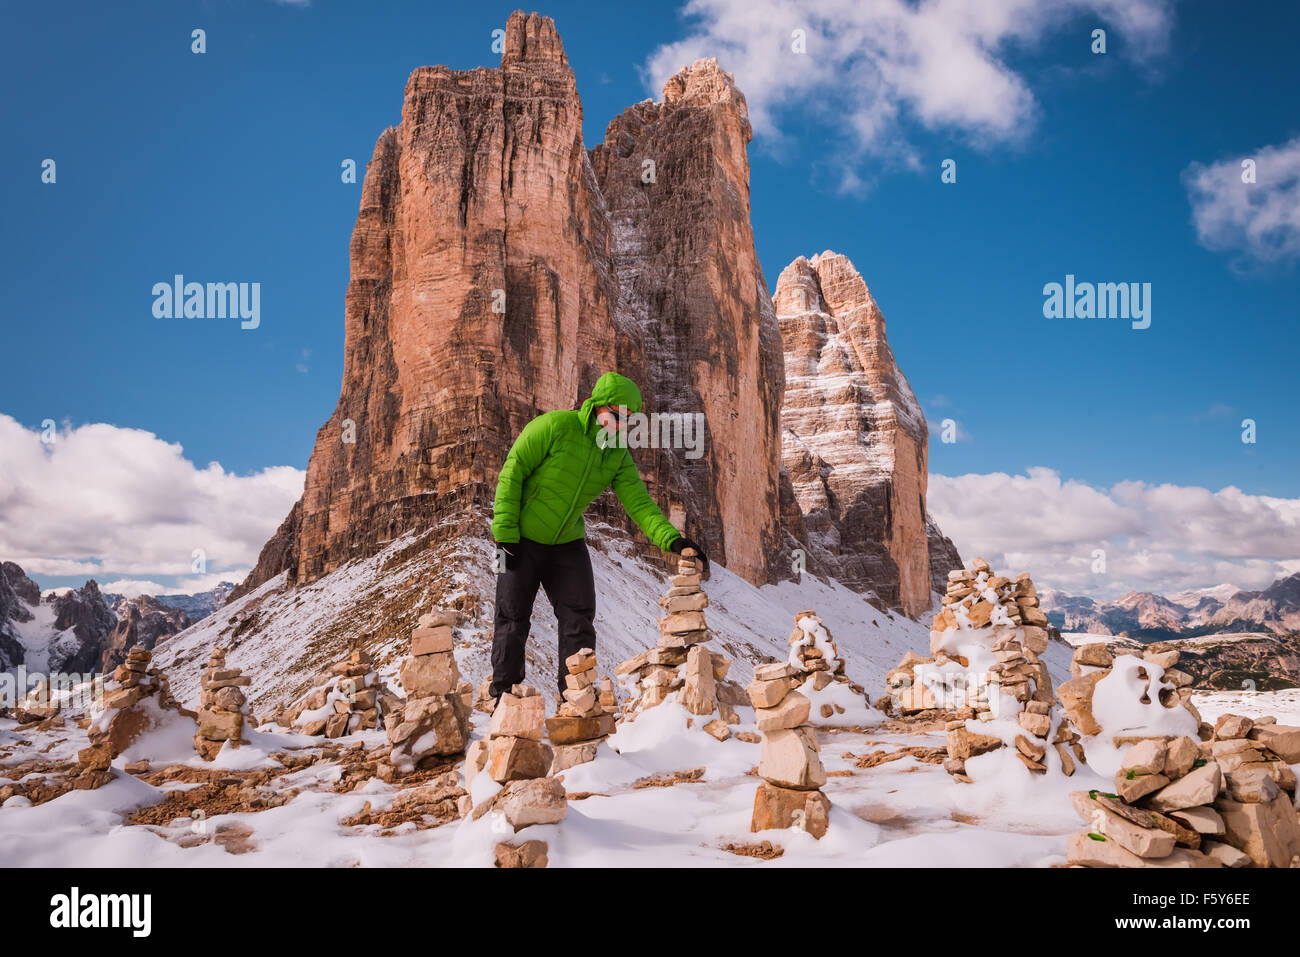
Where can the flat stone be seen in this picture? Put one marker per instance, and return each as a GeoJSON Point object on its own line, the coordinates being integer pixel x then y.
{"type": "Point", "coordinates": [1282, 740]}
{"type": "Point", "coordinates": [679, 603]}
{"type": "Point", "coordinates": [1251, 786]}
{"type": "Point", "coordinates": [1230, 726]}
{"type": "Point", "coordinates": [1146, 757]}
{"type": "Point", "coordinates": [1180, 754]}
{"type": "Point", "coordinates": [1228, 855]}
{"type": "Point", "coordinates": [1268, 833]}
{"type": "Point", "coordinates": [571, 730]}
{"type": "Point", "coordinates": [529, 854]}
{"type": "Point", "coordinates": [777, 807]}
{"type": "Point", "coordinates": [768, 694]}
{"type": "Point", "coordinates": [434, 674]}
{"type": "Point", "coordinates": [790, 759]}
{"type": "Point", "coordinates": [1134, 788]}
{"type": "Point", "coordinates": [792, 711]}
{"type": "Point", "coordinates": [537, 801]}
{"type": "Point", "coordinates": [571, 755]}
{"type": "Point", "coordinates": [515, 759]}
{"type": "Point", "coordinates": [1096, 655]}
{"type": "Point", "coordinates": [518, 717]}
{"type": "Point", "coordinates": [1199, 786]}
{"type": "Point", "coordinates": [1142, 841]}
{"type": "Point", "coordinates": [1202, 820]}
{"type": "Point", "coordinates": [1076, 698]}
{"type": "Point", "coordinates": [430, 641]}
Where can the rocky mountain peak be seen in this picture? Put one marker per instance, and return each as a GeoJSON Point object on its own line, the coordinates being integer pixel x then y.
{"type": "Point", "coordinates": [499, 267]}
{"type": "Point", "coordinates": [854, 438]}
{"type": "Point", "coordinates": [532, 39]}
{"type": "Point", "coordinates": [704, 83]}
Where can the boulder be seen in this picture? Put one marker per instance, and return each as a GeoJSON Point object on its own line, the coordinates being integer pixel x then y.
{"type": "Point", "coordinates": [781, 807]}
{"type": "Point", "coordinates": [535, 801]}
{"type": "Point", "coordinates": [790, 759]}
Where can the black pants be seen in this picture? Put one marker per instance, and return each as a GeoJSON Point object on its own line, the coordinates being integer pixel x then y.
{"type": "Point", "coordinates": [564, 572]}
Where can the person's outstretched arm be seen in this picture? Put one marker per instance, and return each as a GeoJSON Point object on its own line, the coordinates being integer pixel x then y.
{"type": "Point", "coordinates": [631, 491]}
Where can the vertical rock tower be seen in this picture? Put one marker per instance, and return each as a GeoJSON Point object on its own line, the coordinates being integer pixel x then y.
{"type": "Point", "coordinates": [854, 439]}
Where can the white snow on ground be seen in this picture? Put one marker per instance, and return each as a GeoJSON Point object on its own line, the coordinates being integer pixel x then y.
{"type": "Point", "coordinates": [903, 812]}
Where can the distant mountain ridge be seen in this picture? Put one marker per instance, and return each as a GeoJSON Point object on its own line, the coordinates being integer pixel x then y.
{"type": "Point", "coordinates": [84, 629]}
{"type": "Point", "coordinates": [1146, 616]}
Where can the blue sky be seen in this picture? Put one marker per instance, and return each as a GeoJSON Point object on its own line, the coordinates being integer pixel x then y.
{"type": "Point", "coordinates": [225, 166]}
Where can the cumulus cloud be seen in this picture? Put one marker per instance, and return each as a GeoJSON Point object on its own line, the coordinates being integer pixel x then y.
{"type": "Point", "coordinates": [106, 502]}
{"type": "Point", "coordinates": [869, 67]}
{"type": "Point", "coordinates": [1258, 222]}
{"type": "Point", "coordinates": [1160, 538]}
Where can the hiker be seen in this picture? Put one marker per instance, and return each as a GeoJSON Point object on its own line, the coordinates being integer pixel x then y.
{"type": "Point", "coordinates": [558, 465]}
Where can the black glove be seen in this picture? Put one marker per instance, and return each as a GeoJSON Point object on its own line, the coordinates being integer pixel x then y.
{"type": "Point", "coordinates": [682, 543]}
{"type": "Point", "coordinates": [511, 552]}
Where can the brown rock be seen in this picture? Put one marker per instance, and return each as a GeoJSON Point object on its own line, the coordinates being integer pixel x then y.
{"type": "Point", "coordinates": [790, 712]}
{"type": "Point", "coordinates": [1232, 726]}
{"type": "Point", "coordinates": [570, 730]}
{"type": "Point", "coordinates": [829, 320]}
{"type": "Point", "coordinates": [1268, 833]}
{"type": "Point", "coordinates": [779, 807]}
{"type": "Point", "coordinates": [516, 759]}
{"type": "Point", "coordinates": [790, 759]}
{"type": "Point", "coordinates": [529, 854]}
{"type": "Point", "coordinates": [1076, 698]}
{"type": "Point", "coordinates": [434, 674]}
{"type": "Point", "coordinates": [535, 801]}
{"type": "Point", "coordinates": [429, 641]}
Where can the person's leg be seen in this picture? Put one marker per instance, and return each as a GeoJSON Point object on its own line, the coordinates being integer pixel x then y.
{"type": "Point", "coordinates": [567, 579]}
{"type": "Point", "coordinates": [516, 590]}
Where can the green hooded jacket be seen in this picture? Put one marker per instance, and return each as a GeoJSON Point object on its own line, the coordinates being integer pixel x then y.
{"type": "Point", "coordinates": [556, 468]}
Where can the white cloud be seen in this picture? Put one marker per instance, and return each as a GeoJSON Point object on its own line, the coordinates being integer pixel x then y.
{"type": "Point", "coordinates": [871, 66]}
{"type": "Point", "coordinates": [1161, 538]}
{"type": "Point", "coordinates": [106, 501]}
{"type": "Point", "coordinates": [1259, 221]}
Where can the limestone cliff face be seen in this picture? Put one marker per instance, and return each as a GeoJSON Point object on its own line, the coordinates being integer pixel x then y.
{"type": "Point", "coordinates": [480, 294]}
{"type": "Point", "coordinates": [854, 438]}
{"type": "Point", "coordinates": [675, 176]}
{"type": "Point", "coordinates": [498, 269]}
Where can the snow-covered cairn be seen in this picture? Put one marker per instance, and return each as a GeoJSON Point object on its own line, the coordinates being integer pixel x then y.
{"type": "Point", "coordinates": [818, 671]}
{"type": "Point", "coordinates": [1180, 802]}
{"type": "Point", "coordinates": [680, 668]}
{"type": "Point", "coordinates": [585, 717]}
{"type": "Point", "coordinates": [224, 707]}
{"type": "Point", "coordinates": [790, 764]}
{"type": "Point", "coordinates": [1113, 701]}
{"type": "Point", "coordinates": [432, 723]}
{"type": "Point", "coordinates": [352, 699]}
{"type": "Point", "coordinates": [134, 700]}
{"type": "Point", "coordinates": [517, 759]}
{"type": "Point", "coordinates": [984, 671]}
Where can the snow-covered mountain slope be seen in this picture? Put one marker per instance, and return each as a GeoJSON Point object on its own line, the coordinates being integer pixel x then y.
{"type": "Point", "coordinates": [284, 637]}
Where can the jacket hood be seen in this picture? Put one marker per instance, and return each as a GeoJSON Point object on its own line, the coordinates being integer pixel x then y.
{"type": "Point", "coordinates": [611, 389]}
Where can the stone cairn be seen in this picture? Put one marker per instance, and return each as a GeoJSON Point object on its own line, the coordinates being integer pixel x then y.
{"type": "Point", "coordinates": [680, 663]}
{"type": "Point", "coordinates": [223, 706]}
{"type": "Point", "coordinates": [516, 757]}
{"type": "Point", "coordinates": [1093, 662]}
{"type": "Point", "coordinates": [353, 699]}
{"type": "Point", "coordinates": [432, 723]}
{"type": "Point", "coordinates": [38, 704]}
{"type": "Point", "coordinates": [790, 763]}
{"type": "Point", "coordinates": [984, 666]}
{"type": "Point", "coordinates": [125, 715]}
{"type": "Point", "coordinates": [586, 716]}
{"type": "Point", "coordinates": [814, 654]}
{"type": "Point", "coordinates": [1179, 802]}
